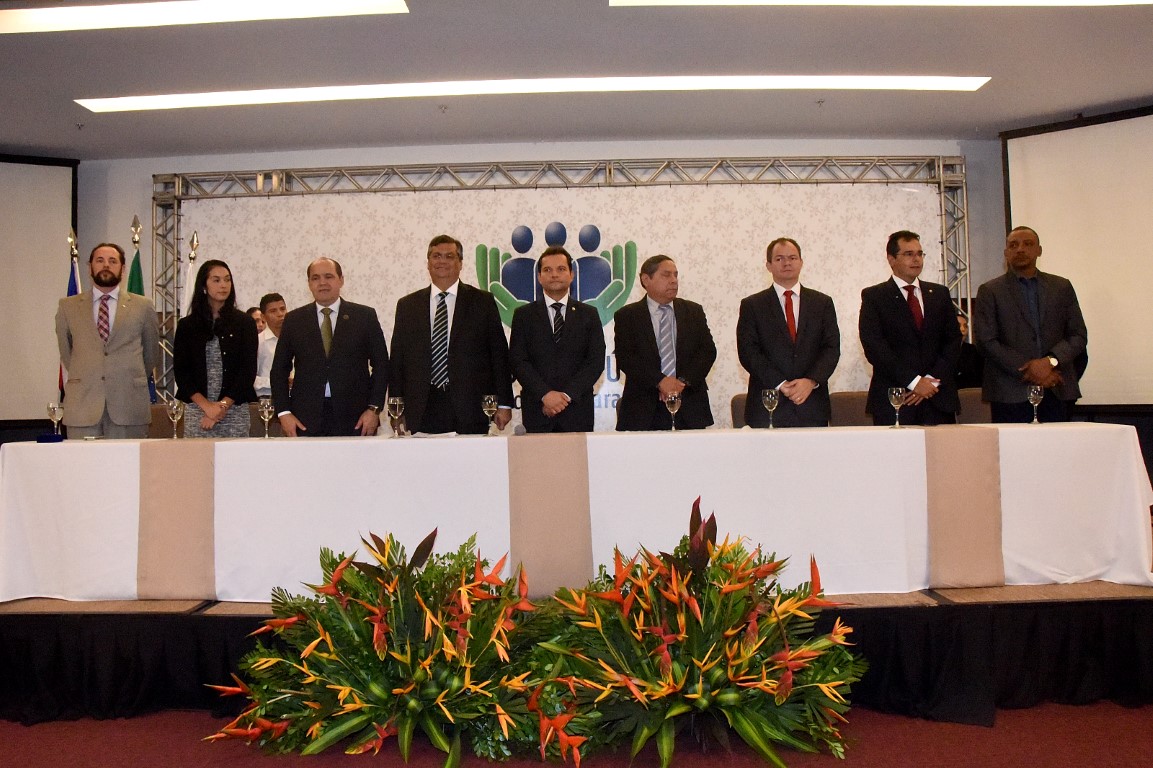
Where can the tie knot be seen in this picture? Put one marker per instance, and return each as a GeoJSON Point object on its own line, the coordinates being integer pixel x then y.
{"type": "Point", "coordinates": [789, 293]}
{"type": "Point", "coordinates": [441, 295]}
{"type": "Point", "coordinates": [910, 289]}
{"type": "Point", "coordinates": [557, 306]}
{"type": "Point", "coordinates": [105, 298]}
{"type": "Point", "coordinates": [326, 311]}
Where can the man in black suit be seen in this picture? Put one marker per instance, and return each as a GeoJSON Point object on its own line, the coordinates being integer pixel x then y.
{"type": "Point", "coordinates": [788, 339]}
{"type": "Point", "coordinates": [1030, 328]}
{"type": "Point", "coordinates": [341, 361]}
{"type": "Point", "coordinates": [663, 347]}
{"type": "Point", "coordinates": [910, 335]}
{"type": "Point", "coordinates": [557, 351]}
{"type": "Point", "coordinates": [449, 350]}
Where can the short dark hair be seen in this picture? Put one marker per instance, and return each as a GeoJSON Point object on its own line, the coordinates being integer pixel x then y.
{"type": "Point", "coordinates": [1027, 229]}
{"type": "Point", "coordinates": [653, 263]}
{"type": "Point", "coordinates": [778, 241]}
{"type": "Point", "coordinates": [114, 246]}
{"type": "Point", "coordinates": [442, 240]}
{"type": "Point", "coordinates": [893, 247]}
{"type": "Point", "coordinates": [250, 310]}
{"type": "Point", "coordinates": [308, 269]}
{"type": "Point", "coordinates": [268, 298]}
{"type": "Point", "coordinates": [554, 250]}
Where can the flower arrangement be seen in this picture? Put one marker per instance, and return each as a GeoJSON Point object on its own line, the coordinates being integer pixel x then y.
{"type": "Point", "coordinates": [702, 639]}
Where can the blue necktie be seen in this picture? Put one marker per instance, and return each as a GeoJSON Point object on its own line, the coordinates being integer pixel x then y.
{"type": "Point", "coordinates": [665, 342]}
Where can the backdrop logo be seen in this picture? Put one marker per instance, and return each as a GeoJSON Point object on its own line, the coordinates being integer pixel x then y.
{"type": "Point", "coordinates": [603, 279]}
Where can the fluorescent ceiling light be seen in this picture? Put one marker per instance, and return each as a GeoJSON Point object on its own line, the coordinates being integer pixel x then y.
{"type": "Point", "coordinates": [542, 85]}
{"type": "Point", "coordinates": [67, 18]}
{"type": "Point", "coordinates": [929, 3]}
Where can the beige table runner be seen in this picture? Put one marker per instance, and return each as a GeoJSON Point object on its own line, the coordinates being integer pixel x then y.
{"type": "Point", "coordinates": [548, 496]}
{"type": "Point", "coordinates": [175, 558]}
{"type": "Point", "coordinates": [964, 507]}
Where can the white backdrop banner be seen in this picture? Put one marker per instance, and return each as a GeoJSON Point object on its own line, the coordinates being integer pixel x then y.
{"type": "Point", "coordinates": [716, 234]}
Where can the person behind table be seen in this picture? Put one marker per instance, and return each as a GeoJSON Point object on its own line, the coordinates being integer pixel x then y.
{"type": "Point", "coordinates": [109, 342]}
{"type": "Point", "coordinates": [258, 317]}
{"type": "Point", "coordinates": [910, 336]}
{"type": "Point", "coordinates": [557, 351]}
{"type": "Point", "coordinates": [663, 347]}
{"type": "Point", "coordinates": [788, 339]}
{"type": "Point", "coordinates": [444, 383]}
{"type": "Point", "coordinates": [273, 309]}
{"type": "Point", "coordinates": [214, 357]}
{"type": "Point", "coordinates": [1030, 329]}
{"type": "Point", "coordinates": [969, 364]}
{"type": "Point", "coordinates": [340, 358]}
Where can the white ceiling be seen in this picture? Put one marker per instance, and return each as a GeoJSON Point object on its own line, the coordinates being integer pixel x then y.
{"type": "Point", "coordinates": [1046, 65]}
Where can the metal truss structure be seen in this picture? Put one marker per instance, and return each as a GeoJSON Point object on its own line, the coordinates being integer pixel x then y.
{"type": "Point", "coordinates": [170, 190]}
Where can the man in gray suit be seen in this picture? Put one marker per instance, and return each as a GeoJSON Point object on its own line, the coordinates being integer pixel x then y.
{"type": "Point", "coordinates": [1029, 328]}
{"type": "Point", "coordinates": [109, 342]}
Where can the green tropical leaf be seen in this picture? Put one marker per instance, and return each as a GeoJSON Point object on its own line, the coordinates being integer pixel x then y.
{"type": "Point", "coordinates": [335, 733]}
{"type": "Point", "coordinates": [666, 742]}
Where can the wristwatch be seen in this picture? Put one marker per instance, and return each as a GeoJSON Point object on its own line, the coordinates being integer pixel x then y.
{"type": "Point", "coordinates": [375, 409]}
{"type": "Point", "coordinates": [1054, 361]}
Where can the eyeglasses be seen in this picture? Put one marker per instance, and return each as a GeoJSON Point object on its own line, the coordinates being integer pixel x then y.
{"type": "Point", "coordinates": [912, 254]}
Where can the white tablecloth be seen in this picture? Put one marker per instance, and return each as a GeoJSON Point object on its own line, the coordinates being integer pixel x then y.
{"type": "Point", "coordinates": [1074, 504]}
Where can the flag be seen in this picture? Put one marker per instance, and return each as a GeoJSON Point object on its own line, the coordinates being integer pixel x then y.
{"type": "Point", "coordinates": [136, 285]}
{"type": "Point", "coordinates": [136, 276]}
{"type": "Point", "coordinates": [73, 289]}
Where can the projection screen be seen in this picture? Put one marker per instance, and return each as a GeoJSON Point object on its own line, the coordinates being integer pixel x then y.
{"type": "Point", "coordinates": [35, 217]}
{"type": "Point", "coordinates": [1088, 192]}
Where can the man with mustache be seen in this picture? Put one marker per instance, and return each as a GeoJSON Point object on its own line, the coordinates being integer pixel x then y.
{"type": "Point", "coordinates": [109, 342]}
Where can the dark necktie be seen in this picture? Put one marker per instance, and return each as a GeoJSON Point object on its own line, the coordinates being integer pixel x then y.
{"type": "Point", "coordinates": [557, 321]}
{"type": "Point", "coordinates": [326, 329]}
{"type": "Point", "coordinates": [915, 307]}
{"type": "Point", "coordinates": [440, 343]}
{"type": "Point", "coordinates": [790, 318]}
{"type": "Point", "coordinates": [102, 324]}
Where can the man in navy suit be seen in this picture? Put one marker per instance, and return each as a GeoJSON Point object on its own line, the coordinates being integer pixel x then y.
{"type": "Point", "coordinates": [341, 361]}
{"type": "Point", "coordinates": [653, 370]}
{"type": "Point", "coordinates": [557, 351]}
{"type": "Point", "coordinates": [788, 339]}
{"type": "Point", "coordinates": [910, 336]}
{"type": "Point", "coordinates": [449, 350]}
{"type": "Point", "coordinates": [1030, 329]}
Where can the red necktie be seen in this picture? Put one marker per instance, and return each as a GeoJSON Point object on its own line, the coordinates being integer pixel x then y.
{"type": "Point", "coordinates": [790, 318]}
{"type": "Point", "coordinates": [102, 324]}
{"type": "Point", "coordinates": [915, 307]}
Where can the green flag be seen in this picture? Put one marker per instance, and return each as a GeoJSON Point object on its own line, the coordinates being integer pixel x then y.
{"type": "Point", "coordinates": [135, 276]}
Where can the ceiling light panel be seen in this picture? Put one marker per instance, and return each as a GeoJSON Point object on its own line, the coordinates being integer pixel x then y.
{"type": "Point", "coordinates": [161, 14]}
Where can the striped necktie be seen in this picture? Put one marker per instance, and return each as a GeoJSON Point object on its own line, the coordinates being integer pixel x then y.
{"type": "Point", "coordinates": [557, 321]}
{"type": "Point", "coordinates": [665, 342]}
{"type": "Point", "coordinates": [440, 343]}
{"type": "Point", "coordinates": [102, 324]}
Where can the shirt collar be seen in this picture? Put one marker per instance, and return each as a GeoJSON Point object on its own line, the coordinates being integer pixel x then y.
{"type": "Point", "coordinates": [114, 294]}
{"type": "Point", "coordinates": [334, 306]}
{"type": "Point", "coordinates": [548, 300]}
{"type": "Point", "coordinates": [452, 290]}
{"type": "Point", "coordinates": [902, 283]}
{"type": "Point", "coordinates": [780, 289]}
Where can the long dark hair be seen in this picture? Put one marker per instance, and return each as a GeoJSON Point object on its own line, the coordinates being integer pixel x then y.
{"type": "Point", "coordinates": [201, 311]}
{"type": "Point", "coordinates": [199, 307]}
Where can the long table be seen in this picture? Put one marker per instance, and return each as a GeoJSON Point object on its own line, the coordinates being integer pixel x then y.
{"type": "Point", "coordinates": [881, 510]}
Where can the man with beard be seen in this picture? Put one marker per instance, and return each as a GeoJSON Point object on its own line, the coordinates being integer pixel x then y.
{"type": "Point", "coordinates": [109, 342]}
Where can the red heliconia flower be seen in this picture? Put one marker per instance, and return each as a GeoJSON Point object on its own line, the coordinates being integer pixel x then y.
{"type": "Point", "coordinates": [240, 689]}
{"type": "Point", "coordinates": [271, 624]}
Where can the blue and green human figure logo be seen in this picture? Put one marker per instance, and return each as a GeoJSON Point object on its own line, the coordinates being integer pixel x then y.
{"type": "Point", "coordinates": [603, 279]}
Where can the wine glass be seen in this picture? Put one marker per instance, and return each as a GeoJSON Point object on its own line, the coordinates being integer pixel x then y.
{"type": "Point", "coordinates": [266, 411]}
{"type": "Point", "coordinates": [897, 399]}
{"type": "Point", "coordinates": [175, 410]}
{"type": "Point", "coordinates": [1036, 395]}
{"type": "Point", "coordinates": [395, 407]}
{"type": "Point", "coordinates": [489, 406]}
{"type": "Point", "coordinates": [673, 404]}
{"type": "Point", "coordinates": [770, 398]}
{"type": "Point", "coordinates": [56, 413]}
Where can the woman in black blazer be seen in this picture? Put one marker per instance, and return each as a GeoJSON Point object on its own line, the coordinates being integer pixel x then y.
{"type": "Point", "coordinates": [214, 357]}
